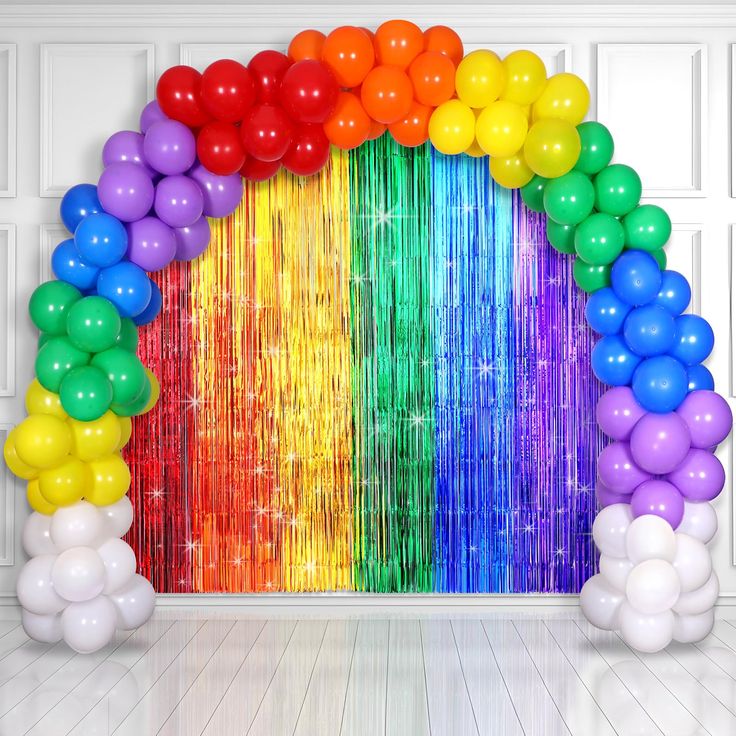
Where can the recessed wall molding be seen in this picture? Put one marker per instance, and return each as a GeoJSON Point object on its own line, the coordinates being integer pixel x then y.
{"type": "Point", "coordinates": [8, 119]}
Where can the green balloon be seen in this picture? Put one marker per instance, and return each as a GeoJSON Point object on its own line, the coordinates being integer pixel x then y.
{"type": "Point", "coordinates": [93, 324]}
{"type": "Point", "coordinates": [596, 148]}
{"type": "Point", "coordinates": [85, 393]}
{"type": "Point", "coordinates": [55, 359]}
{"type": "Point", "coordinates": [569, 198]}
{"type": "Point", "coordinates": [617, 189]}
{"type": "Point", "coordinates": [647, 227]}
{"type": "Point", "coordinates": [561, 237]}
{"type": "Point", "coordinates": [50, 304]}
{"type": "Point", "coordinates": [128, 337]}
{"type": "Point", "coordinates": [599, 239]}
{"type": "Point", "coordinates": [43, 338]}
{"type": "Point", "coordinates": [661, 257]}
{"type": "Point", "coordinates": [590, 278]}
{"type": "Point", "coordinates": [137, 406]}
{"type": "Point", "coordinates": [533, 193]}
{"type": "Point", "coordinates": [124, 371]}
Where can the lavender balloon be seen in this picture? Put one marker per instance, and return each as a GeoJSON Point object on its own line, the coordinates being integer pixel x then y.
{"type": "Point", "coordinates": [660, 498]}
{"type": "Point", "coordinates": [617, 469]}
{"type": "Point", "coordinates": [659, 442]}
{"type": "Point", "coordinates": [125, 191]}
{"type": "Point", "coordinates": [222, 194]}
{"type": "Point", "coordinates": [700, 477]}
{"type": "Point", "coordinates": [151, 114]}
{"type": "Point", "coordinates": [125, 146]}
{"type": "Point", "coordinates": [169, 147]}
{"type": "Point", "coordinates": [179, 201]}
{"type": "Point", "coordinates": [618, 411]}
{"type": "Point", "coordinates": [151, 244]}
{"type": "Point", "coordinates": [193, 240]}
{"type": "Point", "coordinates": [606, 497]}
{"type": "Point", "coordinates": [708, 417]}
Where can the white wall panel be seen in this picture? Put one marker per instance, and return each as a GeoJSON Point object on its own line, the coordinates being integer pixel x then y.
{"type": "Point", "coordinates": [8, 492]}
{"type": "Point", "coordinates": [683, 255]}
{"type": "Point", "coordinates": [557, 57]}
{"type": "Point", "coordinates": [7, 309]}
{"type": "Point", "coordinates": [8, 115]}
{"type": "Point", "coordinates": [200, 55]}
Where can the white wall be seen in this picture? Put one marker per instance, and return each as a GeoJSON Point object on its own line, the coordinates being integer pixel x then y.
{"type": "Point", "coordinates": [661, 78]}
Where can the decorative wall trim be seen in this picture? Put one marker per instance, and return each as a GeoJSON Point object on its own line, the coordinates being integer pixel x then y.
{"type": "Point", "coordinates": [557, 56]}
{"type": "Point", "coordinates": [697, 232]}
{"type": "Point", "coordinates": [8, 492]}
{"type": "Point", "coordinates": [7, 234]}
{"type": "Point", "coordinates": [51, 234]}
{"type": "Point", "coordinates": [10, 103]}
{"type": "Point", "coordinates": [193, 53]}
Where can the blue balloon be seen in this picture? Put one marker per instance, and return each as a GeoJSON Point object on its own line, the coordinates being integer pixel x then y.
{"type": "Point", "coordinates": [674, 294]}
{"type": "Point", "coordinates": [605, 312]}
{"type": "Point", "coordinates": [101, 240]}
{"type": "Point", "coordinates": [68, 266]}
{"type": "Point", "coordinates": [154, 307]}
{"type": "Point", "coordinates": [635, 277]}
{"type": "Point", "coordinates": [660, 383]}
{"type": "Point", "coordinates": [650, 330]}
{"type": "Point", "coordinates": [127, 286]}
{"type": "Point", "coordinates": [613, 363]}
{"type": "Point", "coordinates": [693, 339]}
{"type": "Point", "coordinates": [80, 201]}
{"type": "Point", "coordinates": [699, 378]}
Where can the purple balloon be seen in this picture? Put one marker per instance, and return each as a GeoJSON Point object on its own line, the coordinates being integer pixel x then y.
{"type": "Point", "coordinates": [222, 194]}
{"type": "Point", "coordinates": [660, 498]}
{"type": "Point", "coordinates": [125, 191]}
{"type": "Point", "coordinates": [618, 411]}
{"type": "Point", "coordinates": [151, 244]}
{"type": "Point", "coordinates": [151, 114]}
{"type": "Point", "coordinates": [700, 476]}
{"type": "Point", "coordinates": [606, 497]}
{"type": "Point", "coordinates": [125, 146]}
{"type": "Point", "coordinates": [192, 241]}
{"type": "Point", "coordinates": [169, 147]}
{"type": "Point", "coordinates": [179, 201]}
{"type": "Point", "coordinates": [708, 417]}
{"type": "Point", "coordinates": [659, 442]}
{"type": "Point", "coordinates": [617, 469]}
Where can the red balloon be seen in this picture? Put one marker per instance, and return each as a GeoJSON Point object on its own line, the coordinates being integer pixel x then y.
{"type": "Point", "coordinates": [266, 133]}
{"type": "Point", "coordinates": [309, 91]}
{"type": "Point", "coordinates": [177, 93]}
{"type": "Point", "coordinates": [227, 90]}
{"type": "Point", "coordinates": [268, 69]}
{"type": "Point", "coordinates": [219, 148]}
{"type": "Point", "coordinates": [308, 152]}
{"type": "Point", "coordinates": [256, 170]}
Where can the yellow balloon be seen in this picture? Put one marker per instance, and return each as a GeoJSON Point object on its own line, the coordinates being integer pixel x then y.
{"type": "Point", "coordinates": [36, 501]}
{"type": "Point", "coordinates": [65, 484]}
{"type": "Point", "coordinates": [41, 401]}
{"type": "Point", "coordinates": [566, 96]}
{"type": "Point", "coordinates": [95, 439]}
{"type": "Point", "coordinates": [126, 429]}
{"type": "Point", "coordinates": [526, 77]}
{"type": "Point", "coordinates": [110, 480]}
{"type": "Point", "coordinates": [155, 391]}
{"type": "Point", "coordinates": [511, 172]}
{"type": "Point", "coordinates": [501, 128]}
{"type": "Point", "coordinates": [552, 147]}
{"type": "Point", "coordinates": [480, 78]}
{"type": "Point", "coordinates": [16, 465]}
{"type": "Point", "coordinates": [475, 150]}
{"type": "Point", "coordinates": [452, 127]}
{"type": "Point", "coordinates": [42, 440]}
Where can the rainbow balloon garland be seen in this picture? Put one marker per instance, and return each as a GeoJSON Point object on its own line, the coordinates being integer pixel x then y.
{"type": "Point", "coordinates": [354, 385]}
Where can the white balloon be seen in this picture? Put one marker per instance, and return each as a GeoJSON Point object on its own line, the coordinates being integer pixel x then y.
{"type": "Point", "coordinates": [119, 560]}
{"type": "Point", "coordinates": [600, 603]}
{"type": "Point", "coordinates": [89, 625]}
{"type": "Point", "coordinates": [699, 521]}
{"type": "Point", "coordinates": [134, 602]}
{"type": "Point", "coordinates": [647, 632]}
{"type": "Point", "coordinates": [609, 529]}
{"type": "Point", "coordinates": [692, 562]}
{"type": "Point", "coordinates": [653, 586]}
{"type": "Point", "coordinates": [35, 587]}
{"type": "Point", "coordinates": [650, 537]}
{"type": "Point", "coordinates": [699, 600]}
{"type": "Point", "coordinates": [41, 627]}
{"type": "Point", "coordinates": [36, 536]}
{"type": "Point", "coordinates": [615, 570]}
{"type": "Point", "coordinates": [118, 517]}
{"type": "Point", "coordinates": [78, 574]}
{"type": "Point", "coordinates": [690, 628]}
{"type": "Point", "coordinates": [78, 525]}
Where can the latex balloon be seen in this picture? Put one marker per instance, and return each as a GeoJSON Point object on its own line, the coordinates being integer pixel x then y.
{"type": "Point", "coordinates": [220, 150]}
{"type": "Point", "coordinates": [78, 202]}
{"type": "Point", "coordinates": [154, 393]}
{"type": "Point", "coordinates": [151, 113]}
{"type": "Point", "coordinates": [646, 632]}
{"type": "Point", "coordinates": [348, 52]}
{"type": "Point", "coordinates": [526, 77]}
{"type": "Point", "coordinates": [110, 480]}
{"type": "Point", "coordinates": [650, 538]}
{"type": "Point", "coordinates": [222, 194]}
{"type": "Point", "coordinates": [660, 383]}
{"type": "Point", "coordinates": [178, 94]}
{"type": "Point", "coordinates": [349, 124]}
{"type": "Point", "coordinates": [126, 286]}
{"type": "Point", "coordinates": [50, 304]}
{"type": "Point", "coordinates": [124, 371]}
{"type": "Point", "coordinates": [692, 563]}
{"type": "Point", "coordinates": [694, 339]}
{"type": "Point", "coordinates": [565, 96]}
{"type": "Point", "coordinates": [618, 470]}
{"type": "Point", "coordinates": [613, 362]}
{"type": "Point", "coordinates": [647, 227]}
{"type": "Point", "coordinates": [609, 529]}
{"type": "Point", "coordinates": [660, 257]}
{"type": "Point", "coordinates": [93, 324]}
{"type": "Point", "coordinates": [605, 312]}
{"type": "Point", "coordinates": [36, 535]}
{"type": "Point", "coordinates": [600, 603]}
{"type": "Point", "coordinates": [309, 91]}
{"type": "Point", "coordinates": [615, 571]}
{"type": "Point", "coordinates": [699, 520]}
{"type": "Point", "coordinates": [699, 600]}
{"type": "Point", "coordinates": [652, 586]}
{"type": "Point", "coordinates": [267, 131]}
{"type": "Point", "coordinates": [649, 330]}
{"type": "Point", "coordinates": [267, 69]}
{"type": "Point", "coordinates": [660, 442]}
{"type": "Point", "coordinates": [152, 308]}
{"type": "Point", "coordinates": [398, 43]}
{"type": "Point", "coordinates": [596, 147]}
{"type": "Point", "coordinates": [452, 127]}
{"type": "Point", "coordinates": [179, 201]}
{"type": "Point", "coordinates": [599, 238]}
{"type": "Point", "coordinates": [511, 172]}
{"type": "Point", "coordinates": [689, 629]}
{"type": "Point", "coordinates": [192, 241]}
{"type": "Point", "coordinates": [480, 78]}
{"type": "Point", "coordinates": [552, 147]}
{"type": "Point", "coordinates": [125, 191]}
{"type": "Point", "coordinates": [85, 393]}
{"type": "Point", "coordinates": [78, 525]}
{"type": "Point", "coordinates": [118, 517]}
{"type": "Point", "coordinates": [568, 200]}
{"type": "Point", "coordinates": [151, 244]}
{"type": "Point", "coordinates": [227, 91]}
{"type": "Point", "coordinates": [617, 189]}
{"type": "Point", "coordinates": [413, 130]}
{"type": "Point", "coordinates": [69, 267]}
{"type": "Point", "coordinates": [134, 603]}
{"type": "Point", "coordinates": [126, 146]}
{"type": "Point", "coordinates": [699, 477]}
{"type": "Point", "coordinates": [89, 625]}
{"type": "Point", "coordinates": [36, 501]}
{"type": "Point", "coordinates": [126, 429]}
{"type": "Point", "coordinates": [119, 561]}
{"type": "Point", "coordinates": [618, 412]}
{"type": "Point", "coordinates": [501, 128]}
{"type": "Point", "coordinates": [45, 628]}
{"type": "Point", "coordinates": [65, 483]}
{"type": "Point", "coordinates": [138, 406]}
{"type": "Point", "coordinates": [386, 94]}
{"type": "Point", "coordinates": [41, 401]}
{"type": "Point", "coordinates": [308, 152]}
{"type": "Point", "coordinates": [636, 278]}
{"type": "Point", "coordinates": [15, 464]}
{"type": "Point", "coordinates": [607, 497]}
{"type": "Point", "coordinates": [35, 588]}
{"type": "Point", "coordinates": [432, 76]}
{"type": "Point", "coordinates": [708, 418]}
{"type": "Point", "coordinates": [660, 498]}
{"type": "Point", "coordinates": [101, 240]}
{"type": "Point", "coordinates": [95, 439]}
{"type": "Point", "coordinates": [255, 170]}
{"type": "Point", "coordinates": [169, 147]}
{"type": "Point", "coordinates": [42, 441]}
{"type": "Point", "coordinates": [533, 193]}
{"type": "Point", "coordinates": [306, 45]}
{"type": "Point", "coordinates": [445, 41]}
{"type": "Point", "coordinates": [699, 378]}
{"type": "Point", "coordinates": [674, 293]}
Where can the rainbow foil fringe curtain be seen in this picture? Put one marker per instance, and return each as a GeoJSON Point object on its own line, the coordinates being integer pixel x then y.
{"type": "Point", "coordinates": [376, 379]}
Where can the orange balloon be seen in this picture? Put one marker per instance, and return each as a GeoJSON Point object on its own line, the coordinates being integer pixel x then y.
{"type": "Point", "coordinates": [349, 124]}
{"type": "Point", "coordinates": [348, 51]}
{"type": "Point", "coordinates": [368, 32]}
{"type": "Point", "coordinates": [386, 94]}
{"type": "Point", "coordinates": [398, 43]}
{"type": "Point", "coordinates": [377, 130]}
{"type": "Point", "coordinates": [306, 45]}
{"type": "Point", "coordinates": [413, 130]}
{"type": "Point", "coordinates": [433, 77]}
{"type": "Point", "coordinates": [445, 41]}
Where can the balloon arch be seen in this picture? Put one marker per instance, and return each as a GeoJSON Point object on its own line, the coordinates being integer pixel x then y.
{"type": "Point", "coordinates": [198, 140]}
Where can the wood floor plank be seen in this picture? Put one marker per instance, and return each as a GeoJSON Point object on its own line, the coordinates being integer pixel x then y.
{"type": "Point", "coordinates": [13, 639]}
{"type": "Point", "coordinates": [20, 658]}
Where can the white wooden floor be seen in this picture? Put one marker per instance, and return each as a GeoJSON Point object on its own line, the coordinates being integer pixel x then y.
{"type": "Point", "coordinates": [205, 672]}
